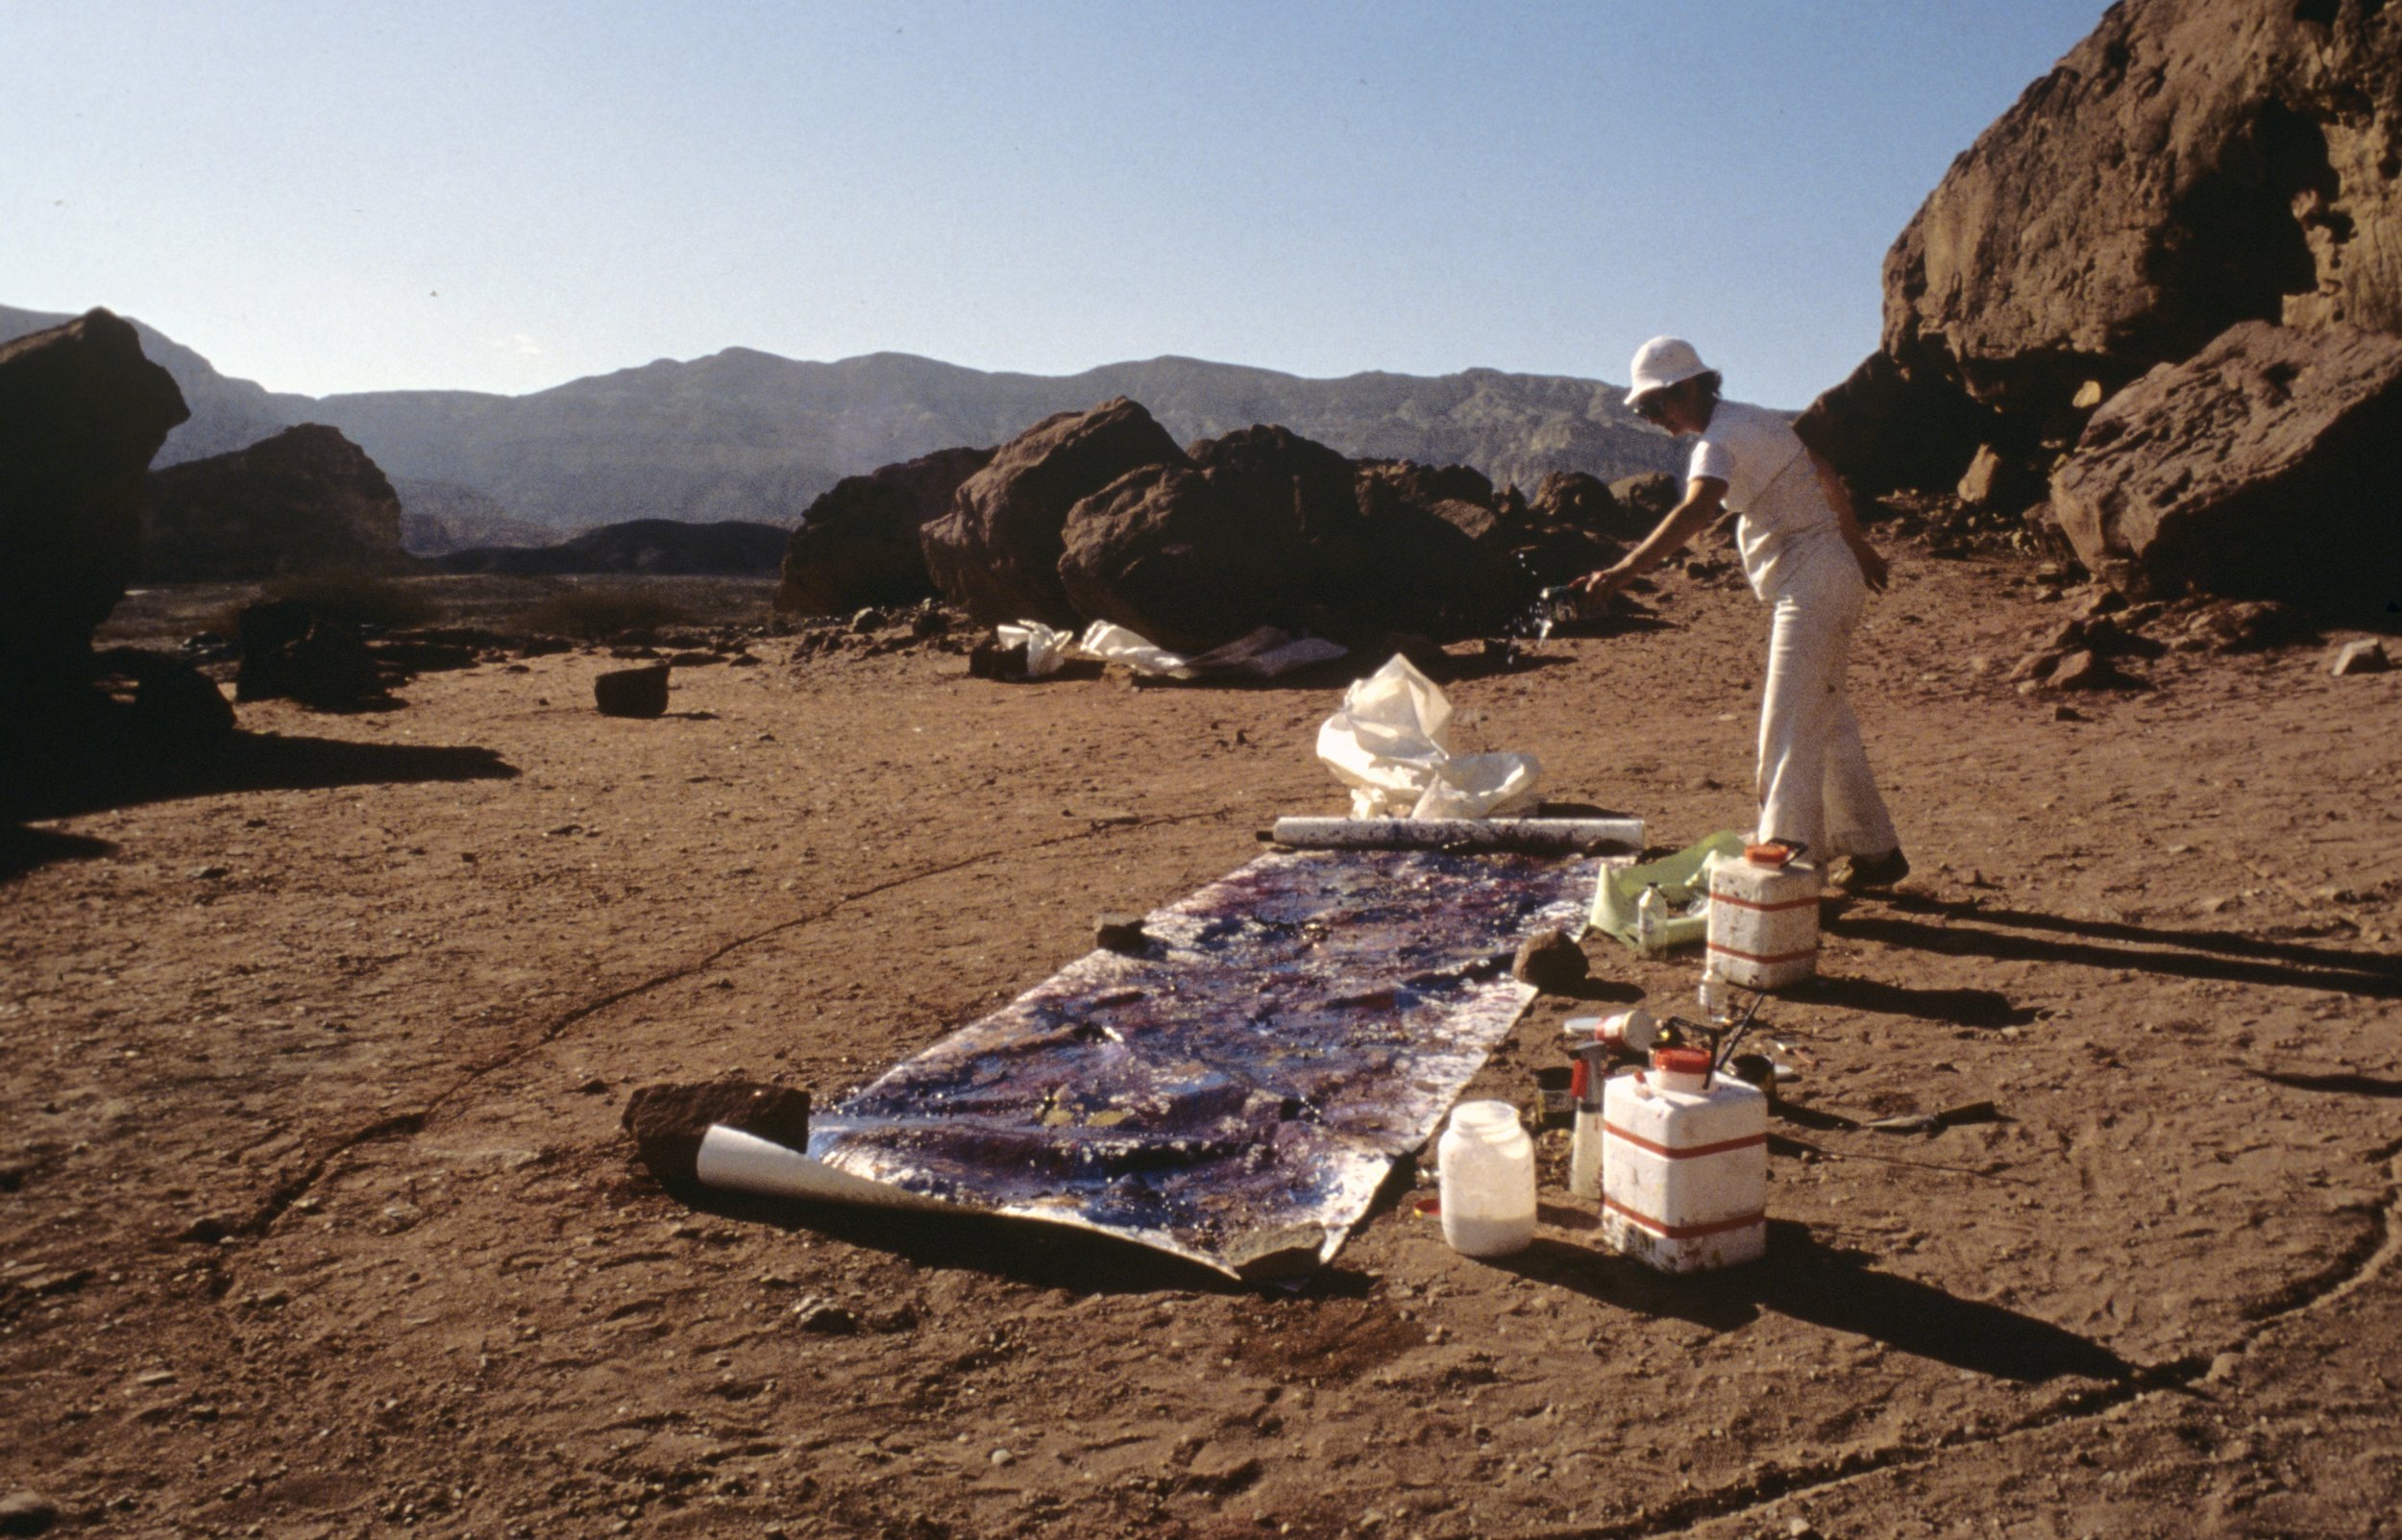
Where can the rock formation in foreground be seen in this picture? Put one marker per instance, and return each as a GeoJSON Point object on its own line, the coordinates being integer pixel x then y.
{"type": "Point", "coordinates": [82, 411]}
{"type": "Point", "coordinates": [307, 500]}
{"type": "Point", "coordinates": [2191, 167]}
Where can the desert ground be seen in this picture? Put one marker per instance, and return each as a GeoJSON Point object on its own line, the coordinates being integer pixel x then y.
{"type": "Point", "coordinates": [316, 1217]}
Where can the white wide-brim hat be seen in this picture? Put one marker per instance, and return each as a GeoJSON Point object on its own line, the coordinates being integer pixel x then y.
{"type": "Point", "coordinates": [1662, 362]}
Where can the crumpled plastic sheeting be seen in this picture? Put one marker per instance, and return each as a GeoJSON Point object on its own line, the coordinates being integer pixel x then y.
{"type": "Point", "coordinates": [1236, 1094]}
{"type": "Point", "coordinates": [1263, 653]}
{"type": "Point", "coordinates": [1391, 745]}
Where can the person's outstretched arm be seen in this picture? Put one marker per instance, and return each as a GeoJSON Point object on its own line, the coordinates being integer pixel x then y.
{"type": "Point", "coordinates": [1704, 499]}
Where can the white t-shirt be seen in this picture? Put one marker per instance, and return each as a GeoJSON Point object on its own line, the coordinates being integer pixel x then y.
{"type": "Point", "coordinates": [1771, 482]}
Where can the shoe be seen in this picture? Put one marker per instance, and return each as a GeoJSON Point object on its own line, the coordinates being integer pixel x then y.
{"type": "Point", "coordinates": [1862, 874]}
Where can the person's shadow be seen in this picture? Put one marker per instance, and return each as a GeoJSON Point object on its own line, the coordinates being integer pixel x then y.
{"type": "Point", "coordinates": [2015, 935]}
{"type": "Point", "coordinates": [1834, 1288]}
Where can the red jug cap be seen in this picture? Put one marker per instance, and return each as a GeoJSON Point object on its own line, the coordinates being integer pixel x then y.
{"type": "Point", "coordinates": [1681, 1060]}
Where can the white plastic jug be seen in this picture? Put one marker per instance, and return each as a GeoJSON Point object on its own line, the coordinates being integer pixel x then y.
{"type": "Point", "coordinates": [1488, 1168]}
{"type": "Point", "coordinates": [1763, 923]}
{"type": "Point", "coordinates": [1685, 1165]}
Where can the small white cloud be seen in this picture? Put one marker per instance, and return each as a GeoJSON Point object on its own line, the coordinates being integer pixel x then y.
{"type": "Point", "coordinates": [516, 342]}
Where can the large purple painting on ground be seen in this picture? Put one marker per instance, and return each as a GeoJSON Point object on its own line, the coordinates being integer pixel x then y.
{"type": "Point", "coordinates": [1235, 1093]}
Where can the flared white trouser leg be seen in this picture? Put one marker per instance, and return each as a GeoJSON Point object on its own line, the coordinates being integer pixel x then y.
{"type": "Point", "coordinates": [1814, 781]}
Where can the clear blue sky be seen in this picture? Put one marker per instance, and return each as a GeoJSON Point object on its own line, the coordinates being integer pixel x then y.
{"type": "Point", "coordinates": [348, 194]}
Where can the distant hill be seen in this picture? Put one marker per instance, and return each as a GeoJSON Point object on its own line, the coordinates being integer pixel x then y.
{"type": "Point", "coordinates": [748, 435]}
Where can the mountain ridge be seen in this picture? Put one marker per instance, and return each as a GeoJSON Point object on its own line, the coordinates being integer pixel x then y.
{"type": "Point", "coordinates": [746, 435]}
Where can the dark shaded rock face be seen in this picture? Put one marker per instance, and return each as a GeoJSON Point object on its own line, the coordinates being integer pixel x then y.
{"type": "Point", "coordinates": [1168, 554]}
{"type": "Point", "coordinates": [1271, 470]}
{"type": "Point", "coordinates": [2269, 465]}
{"type": "Point", "coordinates": [995, 551]}
{"type": "Point", "coordinates": [1422, 556]}
{"type": "Point", "coordinates": [1572, 496]}
{"type": "Point", "coordinates": [858, 544]}
{"type": "Point", "coordinates": [304, 500]}
{"type": "Point", "coordinates": [81, 412]}
{"type": "Point", "coordinates": [327, 668]}
{"type": "Point", "coordinates": [657, 547]}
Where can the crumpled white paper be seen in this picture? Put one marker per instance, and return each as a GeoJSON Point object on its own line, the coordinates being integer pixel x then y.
{"type": "Point", "coordinates": [1391, 744]}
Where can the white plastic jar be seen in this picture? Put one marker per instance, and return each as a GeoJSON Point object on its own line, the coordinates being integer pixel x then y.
{"type": "Point", "coordinates": [1488, 1168]}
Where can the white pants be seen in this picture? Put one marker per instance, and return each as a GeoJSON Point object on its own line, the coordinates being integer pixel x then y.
{"type": "Point", "coordinates": [1815, 787]}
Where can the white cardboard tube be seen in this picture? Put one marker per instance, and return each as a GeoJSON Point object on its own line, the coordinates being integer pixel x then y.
{"type": "Point", "coordinates": [743, 1162]}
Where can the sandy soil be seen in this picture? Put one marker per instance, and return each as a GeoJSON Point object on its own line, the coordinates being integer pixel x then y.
{"type": "Point", "coordinates": [316, 1219]}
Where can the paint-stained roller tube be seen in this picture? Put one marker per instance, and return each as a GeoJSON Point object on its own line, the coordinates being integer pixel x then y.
{"type": "Point", "coordinates": [1564, 835]}
{"type": "Point", "coordinates": [743, 1162]}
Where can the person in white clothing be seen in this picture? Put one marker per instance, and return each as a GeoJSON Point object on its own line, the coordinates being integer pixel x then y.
{"type": "Point", "coordinates": [1806, 558]}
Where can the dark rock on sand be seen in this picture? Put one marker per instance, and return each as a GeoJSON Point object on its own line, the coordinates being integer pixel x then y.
{"type": "Point", "coordinates": [172, 699]}
{"type": "Point", "coordinates": [1549, 961]}
{"type": "Point", "coordinates": [81, 412]}
{"type": "Point", "coordinates": [858, 543]}
{"type": "Point", "coordinates": [668, 1122]}
{"type": "Point", "coordinates": [995, 551]}
{"type": "Point", "coordinates": [327, 666]}
{"type": "Point", "coordinates": [631, 692]}
{"type": "Point", "coordinates": [306, 499]}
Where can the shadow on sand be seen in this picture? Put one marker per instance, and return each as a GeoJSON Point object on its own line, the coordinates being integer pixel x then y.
{"type": "Point", "coordinates": [2015, 935]}
{"type": "Point", "coordinates": [61, 777]}
{"type": "Point", "coordinates": [1834, 1288]}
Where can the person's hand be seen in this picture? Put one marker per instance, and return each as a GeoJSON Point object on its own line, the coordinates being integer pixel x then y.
{"type": "Point", "coordinates": [1597, 587]}
{"type": "Point", "coordinates": [1872, 566]}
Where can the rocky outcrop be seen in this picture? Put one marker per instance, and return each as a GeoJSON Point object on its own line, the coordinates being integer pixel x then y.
{"type": "Point", "coordinates": [307, 500]}
{"type": "Point", "coordinates": [654, 548]}
{"type": "Point", "coordinates": [2191, 165]}
{"type": "Point", "coordinates": [1177, 557]}
{"type": "Point", "coordinates": [995, 550]}
{"type": "Point", "coordinates": [857, 545]}
{"type": "Point", "coordinates": [2269, 465]}
{"type": "Point", "coordinates": [81, 412]}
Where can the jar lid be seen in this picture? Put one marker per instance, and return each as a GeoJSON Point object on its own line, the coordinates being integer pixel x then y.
{"type": "Point", "coordinates": [1681, 1060]}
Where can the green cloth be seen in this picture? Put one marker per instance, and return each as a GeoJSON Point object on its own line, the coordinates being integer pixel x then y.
{"type": "Point", "coordinates": [1681, 878]}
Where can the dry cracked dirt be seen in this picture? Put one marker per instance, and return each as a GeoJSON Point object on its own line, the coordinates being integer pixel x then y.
{"type": "Point", "coordinates": [316, 1218]}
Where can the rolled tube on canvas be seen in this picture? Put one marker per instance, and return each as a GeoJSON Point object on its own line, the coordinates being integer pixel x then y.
{"type": "Point", "coordinates": [1567, 836]}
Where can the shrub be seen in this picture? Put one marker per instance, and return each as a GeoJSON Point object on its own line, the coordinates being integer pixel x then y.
{"type": "Point", "coordinates": [351, 598]}
{"type": "Point", "coordinates": [598, 610]}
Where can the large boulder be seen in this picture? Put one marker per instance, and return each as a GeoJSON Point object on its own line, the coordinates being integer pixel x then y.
{"type": "Point", "coordinates": [995, 550]}
{"type": "Point", "coordinates": [1271, 469]}
{"type": "Point", "coordinates": [81, 412]}
{"type": "Point", "coordinates": [1172, 556]}
{"type": "Point", "coordinates": [2269, 465]}
{"type": "Point", "coordinates": [1427, 553]}
{"type": "Point", "coordinates": [2190, 165]}
{"type": "Point", "coordinates": [307, 500]}
{"type": "Point", "coordinates": [857, 545]}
